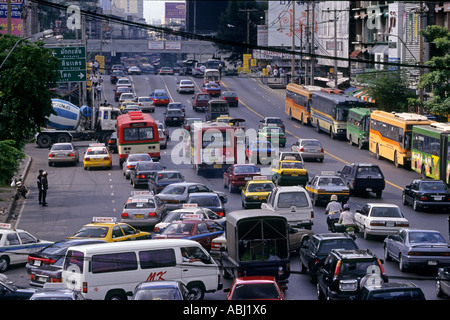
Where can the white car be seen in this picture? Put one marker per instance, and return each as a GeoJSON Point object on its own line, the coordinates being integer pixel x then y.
{"type": "Point", "coordinates": [126, 96]}
{"type": "Point", "coordinates": [380, 219]}
{"type": "Point", "coordinates": [162, 139]}
{"type": "Point", "coordinates": [146, 104]}
{"type": "Point", "coordinates": [123, 82]}
{"type": "Point", "coordinates": [185, 86]}
{"type": "Point", "coordinates": [134, 70]}
{"type": "Point", "coordinates": [16, 245]}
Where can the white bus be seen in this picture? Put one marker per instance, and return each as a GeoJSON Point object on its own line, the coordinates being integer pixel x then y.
{"type": "Point", "coordinates": [108, 271]}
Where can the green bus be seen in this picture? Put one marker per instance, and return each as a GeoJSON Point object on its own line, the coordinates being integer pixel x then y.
{"type": "Point", "coordinates": [430, 150]}
{"type": "Point", "coordinates": [358, 126]}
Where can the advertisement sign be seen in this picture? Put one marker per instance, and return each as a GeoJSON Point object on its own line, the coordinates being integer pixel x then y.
{"type": "Point", "coordinates": [156, 45]}
{"type": "Point", "coordinates": [173, 45]}
{"type": "Point", "coordinates": [175, 10]}
{"type": "Point", "coordinates": [16, 21]}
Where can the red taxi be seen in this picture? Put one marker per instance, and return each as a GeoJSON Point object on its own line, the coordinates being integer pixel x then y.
{"type": "Point", "coordinates": [212, 88]}
{"type": "Point", "coordinates": [197, 229]}
{"type": "Point", "coordinates": [237, 175]}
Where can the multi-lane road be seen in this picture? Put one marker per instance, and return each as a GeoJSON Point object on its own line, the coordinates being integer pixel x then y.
{"type": "Point", "coordinates": [76, 195]}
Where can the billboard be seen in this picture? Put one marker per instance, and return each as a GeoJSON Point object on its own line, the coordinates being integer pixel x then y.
{"type": "Point", "coordinates": [16, 20]}
{"type": "Point", "coordinates": [175, 10]}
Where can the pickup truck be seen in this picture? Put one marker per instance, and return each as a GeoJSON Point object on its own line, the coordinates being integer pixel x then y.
{"type": "Point", "coordinates": [293, 203]}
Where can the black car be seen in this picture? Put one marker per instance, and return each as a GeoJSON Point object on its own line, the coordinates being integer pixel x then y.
{"type": "Point", "coordinates": [427, 194]}
{"type": "Point", "coordinates": [163, 178]}
{"type": "Point", "coordinates": [143, 171]}
{"type": "Point", "coordinates": [339, 276]}
{"type": "Point", "coordinates": [231, 97]}
{"type": "Point", "coordinates": [115, 75]}
{"type": "Point", "coordinates": [209, 200]}
{"type": "Point", "coordinates": [316, 248]}
{"type": "Point", "coordinates": [9, 291]}
{"type": "Point", "coordinates": [46, 265]}
{"type": "Point", "coordinates": [112, 143]}
{"type": "Point", "coordinates": [174, 117]}
{"type": "Point", "coordinates": [363, 177]}
{"type": "Point", "coordinates": [176, 106]}
{"type": "Point", "coordinates": [391, 291]}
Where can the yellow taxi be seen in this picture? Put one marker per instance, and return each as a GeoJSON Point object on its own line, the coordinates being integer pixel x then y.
{"type": "Point", "coordinates": [106, 228]}
{"type": "Point", "coordinates": [256, 191]}
{"type": "Point", "coordinates": [223, 119]}
{"type": "Point", "coordinates": [289, 173]}
{"type": "Point", "coordinates": [126, 103]}
{"type": "Point", "coordinates": [97, 155]}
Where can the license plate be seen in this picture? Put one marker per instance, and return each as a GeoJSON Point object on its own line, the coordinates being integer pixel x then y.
{"type": "Point", "coordinates": [439, 198]}
{"type": "Point", "coordinates": [42, 279]}
{"type": "Point", "coordinates": [432, 263]}
{"type": "Point", "coordinates": [175, 118]}
{"type": "Point", "coordinates": [248, 178]}
{"type": "Point", "coordinates": [262, 198]}
{"type": "Point", "coordinates": [217, 166]}
{"type": "Point", "coordinates": [37, 263]}
{"type": "Point", "coordinates": [60, 155]}
{"type": "Point", "coordinates": [138, 216]}
{"type": "Point", "coordinates": [390, 224]}
{"type": "Point", "coordinates": [294, 174]}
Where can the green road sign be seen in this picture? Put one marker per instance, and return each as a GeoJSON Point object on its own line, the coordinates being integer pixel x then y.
{"type": "Point", "coordinates": [72, 63]}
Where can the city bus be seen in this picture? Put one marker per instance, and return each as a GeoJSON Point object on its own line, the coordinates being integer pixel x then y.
{"type": "Point", "coordinates": [329, 111]}
{"type": "Point", "coordinates": [430, 151]}
{"type": "Point", "coordinates": [213, 146]}
{"type": "Point", "coordinates": [358, 124]}
{"type": "Point", "coordinates": [391, 133]}
{"type": "Point", "coordinates": [297, 102]}
{"type": "Point", "coordinates": [137, 132]}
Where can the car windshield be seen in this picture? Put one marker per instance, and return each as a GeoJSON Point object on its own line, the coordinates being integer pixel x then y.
{"type": "Point", "coordinates": [145, 100]}
{"type": "Point", "coordinates": [140, 204]}
{"type": "Point", "coordinates": [139, 157]}
{"type": "Point", "coordinates": [188, 82]}
{"type": "Point", "coordinates": [93, 152]}
{"type": "Point", "coordinates": [165, 176]}
{"type": "Point", "coordinates": [255, 291]}
{"type": "Point", "coordinates": [150, 166]}
{"type": "Point", "coordinates": [386, 213]}
{"type": "Point", "coordinates": [292, 165]}
{"type": "Point", "coordinates": [358, 268]}
{"type": "Point", "coordinates": [174, 112]}
{"type": "Point", "coordinates": [246, 169]}
{"type": "Point", "coordinates": [326, 246]}
{"type": "Point", "coordinates": [260, 187]}
{"type": "Point", "coordinates": [311, 143]}
{"type": "Point", "coordinates": [158, 294]}
{"type": "Point", "coordinates": [372, 171]}
{"type": "Point", "coordinates": [56, 249]}
{"type": "Point", "coordinates": [288, 199]}
{"type": "Point", "coordinates": [277, 121]}
{"type": "Point", "coordinates": [273, 130]}
{"type": "Point", "coordinates": [61, 147]}
{"type": "Point", "coordinates": [203, 97]}
{"type": "Point", "coordinates": [331, 182]}
{"type": "Point", "coordinates": [160, 94]}
{"type": "Point", "coordinates": [174, 190]}
{"type": "Point", "coordinates": [178, 229]}
{"type": "Point", "coordinates": [206, 201]}
{"type": "Point", "coordinates": [425, 237]}
{"type": "Point", "coordinates": [433, 186]}
{"type": "Point", "coordinates": [91, 232]}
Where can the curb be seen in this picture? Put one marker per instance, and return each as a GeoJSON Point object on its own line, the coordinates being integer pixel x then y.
{"type": "Point", "coordinates": [23, 171]}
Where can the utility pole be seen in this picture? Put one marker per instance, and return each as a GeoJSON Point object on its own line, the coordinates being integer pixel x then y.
{"type": "Point", "coordinates": [293, 43]}
{"type": "Point", "coordinates": [313, 46]}
{"type": "Point", "coordinates": [421, 11]}
{"type": "Point", "coordinates": [307, 43]}
{"type": "Point", "coordinates": [335, 51]}
{"type": "Point", "coordinates": [248, 24]}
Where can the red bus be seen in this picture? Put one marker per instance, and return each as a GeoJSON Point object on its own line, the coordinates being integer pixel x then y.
{"type": "Point", "coordinates": [137, 132]}
{"type": "Point", "coordinates": [213, 146]}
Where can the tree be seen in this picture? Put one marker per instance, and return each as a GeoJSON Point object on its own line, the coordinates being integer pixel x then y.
{"type": "Point", "coordinates": [389, 88]}
{"type": "Point", "coordinates": [10, 157]}
{"type": "Point", "coordinates": [25, 81]}
{"type": "Point", "coordinates": [437, 81]}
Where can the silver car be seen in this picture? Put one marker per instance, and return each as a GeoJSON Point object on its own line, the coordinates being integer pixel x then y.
{"type": "Point", "coordinates": [309, 149]}
{"type": "Point", "coordinates": [142, 209]}
{"type": "Point", "coordinates": [146, 104]}
{"type": "Point", "coordinates": [131, 161]}
{"type": "Point", "coordinates": [63, 153]}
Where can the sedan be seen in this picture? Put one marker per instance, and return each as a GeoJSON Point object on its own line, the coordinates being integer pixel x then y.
{"type": "Point", "coordinates": [255, 288]}
{"type": "Point", "coordinates": [189, 121]}
{"type": "Point", "coordinates": [273, 134]}
{"type": "Point", "coordinates": [146, 104]}
{"type": "Point", "coordinates": [417, 248]}
{"type": "Point", "coordinates": [63, 153]}
{"type": "Point", "coordinates": [160, 97]}
{"type": "Point", "coordinates": [200, 101]}
{"type": "Point", "coordinates": [202, 231]}
{"type": "Point", "coordinates": [255, 191]}
{"type": "Point", "coordinates": [118, 92]}
{"type": "Point", "coordinates": [131, 162]}
{"type": "Point", "coordinates": [143, 209]}
{"type": "Point", "coordinates": [97, 156]}
{"type": "Point", "coordinates": [160, 290]}
{"type": "Point", "coordinates": [164, 129]}
{"type": "Point", "coordinates": [174, 117]}
{"type": "Point", "coordinates": [134, 70]}
{"type": "Point", "coordinates": [212, 88]}
{"type": "Point", "coordinates": [163, 178]}
{"type": "Point", "coordinates": [210, 200]}
{"type": "Point", "coordinates": [427, 194]}
{"type": "Point", "coordinates": [309, 149]}
{"type": "Point", "coordinates": [9, 291]}
{"type": "Point", "coordinates": [127, 96]}
{"type": "Point", "coordinates": [237, 175]}
{"type": "Point", "coordinates": [185, 86]}
{"type": "Point", "coordinates": [115, 75]}
{"type": "Point", "coordinates": [166, 70]}
{"type": "Point", "coordinates": [143, 171]}
{"type": "Point", "coordinates": [231, 97]}
{"type": "Point", "coordinates": [175, 194]}
{"type": "Point", "coordinates": [124, 82]}
{"type": "Point", "coordinates": [325, 184]}
{"type": "Point", "coordinates": [380, 219]}
{"type": "Point", "coordinates": [176, 106]}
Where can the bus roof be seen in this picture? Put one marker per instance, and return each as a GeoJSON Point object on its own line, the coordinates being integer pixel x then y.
{"type": "Point", "coordinates": [212, 125]}
{"type": "Point", "coordinates": [302, 89]}
{"type": "Point", "coordinates": [134, 116]}
{"type": "Point", "coordinates": [360, 111]}
{"type": "Point", "coordinates": [335, 97]}
{"type": "Point", "coordinates": [234, 217]}
{"type": "Point", "coordinates": [401, 117]}
{"type": "Point", "coordinates": [434, 129]}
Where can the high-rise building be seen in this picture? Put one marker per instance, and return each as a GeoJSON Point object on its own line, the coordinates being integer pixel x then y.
{"type": "Point", "coordinates": [133, 7]}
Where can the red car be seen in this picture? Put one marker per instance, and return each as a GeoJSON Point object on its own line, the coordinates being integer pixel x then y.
{"type": "Point", "coordinates": [255, 288]}
{"type": "Point", "coordinates": [202, 231]}
{"type": "Point", "coordinates": [119, 91]}
{"type": "Point", "coordinates": [200, 101]}
{"type": "Point", "coordinates": [237, 175]}
{"type": "Point", "coordinates": [212, 88]}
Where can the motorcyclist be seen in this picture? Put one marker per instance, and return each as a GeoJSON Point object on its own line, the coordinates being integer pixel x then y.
{"type": "Point", "coordinates": [347, 217]}
{"type": "Point", "coordinates": [21, 190]}
{"type": "Point", "coordinates": [333, 210]}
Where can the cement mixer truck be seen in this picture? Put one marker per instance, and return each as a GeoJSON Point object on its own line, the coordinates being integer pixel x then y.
{"type": "Point", "coordinates": [73, 123]}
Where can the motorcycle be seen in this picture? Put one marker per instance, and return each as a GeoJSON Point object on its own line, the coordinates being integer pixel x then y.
{"type": "Point", "coordinates": [21, 189]}
{"type": "Point", "coordinates": [334, 226]}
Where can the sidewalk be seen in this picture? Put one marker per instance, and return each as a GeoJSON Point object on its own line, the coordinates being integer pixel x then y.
{"type": "Point", "coordinates": [7, 202]}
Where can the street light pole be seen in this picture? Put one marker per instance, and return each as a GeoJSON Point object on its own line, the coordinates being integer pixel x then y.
{"type": "Point", "coordinates": [293, 44]}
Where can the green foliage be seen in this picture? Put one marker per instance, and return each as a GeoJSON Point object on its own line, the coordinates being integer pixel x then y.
{"type": "Point", "coordinates": [10, 158]}
{"type": "Point", "coordinates": [25, 79]}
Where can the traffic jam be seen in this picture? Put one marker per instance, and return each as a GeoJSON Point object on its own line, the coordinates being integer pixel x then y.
{"type": "Point", "coordinates": [168, 221]}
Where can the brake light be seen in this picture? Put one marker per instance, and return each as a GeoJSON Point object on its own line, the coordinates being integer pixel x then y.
{"type": "Point", "coordinates": [403, 224]}
{"type": "Point", "coordinates": [51, 155]}
{"type": "Point", "coordinates": [125, 215]}
{"type": "Point", "coordinates": [321, 150]}
{"type": "Point", "coordinates": [302, 149]}
{"type": "Point", "coordinates": [141, 176]}
{"type": "Point", "coordinates": [85, 287]}
{"type": "Point", "coordinates": [87, 159]}
{"type": "Point", "coordinates": [156, 229]}
{"type": "Point", "coordinates": [377, 223]}
{"type": "Point", "coordinates": [71, 155]}
{"type": "Point", "coordinates": [55, 280]}
{"type": "Point", "coordinates": [130, 167]}
{"type": "Point", "coordinates": [220, 213]}
{"type": "Point", "coordinates": [423, 198]}
{"type": "Point", "coordinates": [43, 260]}
{"type": "Point", "coordinates": [336, 270]}
{"type": "Point", "coordinates": [110, 141]}
{"type": "Point", "coordinates": [152, 214]}
{"type": "Point", "coordinates": [106, 158]}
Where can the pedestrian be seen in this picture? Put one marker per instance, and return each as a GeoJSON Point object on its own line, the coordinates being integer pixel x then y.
{"type": "Point", "coordinates": [99, 91]}
{"type": "Point", "coordinates": [96, 67]}
{"type": "Point", "coordinates": [269, 70]}
{"type": "Point", "coordinates": [44, 187]}
{"type": "Point", "coordinates": [39, 185]}
{"type": "Point", "coordinates": [275, 73]}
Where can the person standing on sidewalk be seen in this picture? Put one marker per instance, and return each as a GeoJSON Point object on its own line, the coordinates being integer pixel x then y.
{"type": "Point", "coordinates": [39, 185]}
{"type": "Point", "coordinates": [44, 187]}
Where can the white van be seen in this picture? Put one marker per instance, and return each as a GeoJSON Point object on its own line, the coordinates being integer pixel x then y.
{"type": "Point", "coordinates": [108, 271]}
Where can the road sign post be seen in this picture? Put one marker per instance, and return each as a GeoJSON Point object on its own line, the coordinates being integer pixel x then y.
{"type": "Point", "coordinates": [72, 63]}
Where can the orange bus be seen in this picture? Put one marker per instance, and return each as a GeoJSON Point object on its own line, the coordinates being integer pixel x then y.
{"type": "Point", "coordinates": [297, 101]}
{"type": "Point", "coordinates": [213, 146]}
{"type": "Point", "coordinates": [137, 132]}
{"type": "Point", "coordinates": [390, 135]}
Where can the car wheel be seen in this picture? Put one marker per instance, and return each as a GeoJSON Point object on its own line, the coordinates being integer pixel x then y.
{"type": "Point", "coordinates": [378, 193]}
{"type": "Point", "coordinates": [404, 201]}
{"type": "Point", "coordinates": [116, 295]}
{"type": "Point", "coordinates": [320, 295]}
{"type": "Point", "coordinates": [416, 206]}
{"type": "Point", "coordinates": [4, 263]}
{"type": "Point", "coordinates": [438, 290]}
{"type": "Point", "coordinates": [387, 257]}
{"type": "Point", "coordinates": [377, 153]}
{"type": "Point", "coordinates": [366, 234]}
{"type": "Point", "coordinates": [401, 264]}
{"type": "Point", "coordinates": [197, 291]}
{"type": "Point", "coordinates": [303, 268]}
